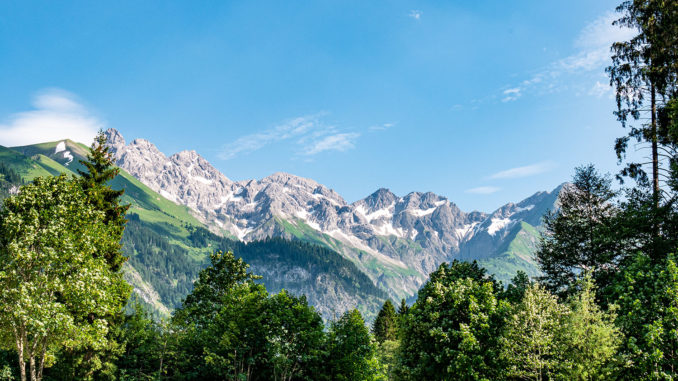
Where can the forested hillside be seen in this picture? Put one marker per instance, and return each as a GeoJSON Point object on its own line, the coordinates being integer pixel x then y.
{"type": "Point", "coordinates": [167, 247]}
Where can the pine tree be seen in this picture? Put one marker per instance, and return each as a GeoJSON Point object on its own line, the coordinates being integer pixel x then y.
{"type": "Point", "coordinates": [580, 235]}
{"type": "Point", "coordinates": [385, 325]}
{"type": "Point", "coordinates": [94, 181]}
{"type": "Point", "coordinates": [402, 310]}
{"type": "Point", "coordinates": [645, 66]}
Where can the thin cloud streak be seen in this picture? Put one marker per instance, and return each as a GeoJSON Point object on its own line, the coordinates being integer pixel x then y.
{"type": "Point", "coordinates": [526, 171]}
{"type": "Point", "coordinates": [57, 115]}
{"type": "Point", "coordinates": [483, 190]}
{"type": "Point", "coordinates": [289, 129]}
{"type": "Point", "coordinates": [381, 127]}
{"type": "Point", "coordinates": [592, 54]}
{"type": "Point", "coordinates": [338, 142]}
{"type": "Point", "coordinates": [310, 135]}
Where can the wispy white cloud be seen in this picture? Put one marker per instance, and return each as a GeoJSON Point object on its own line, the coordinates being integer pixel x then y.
{"type": "Point", "coordinates": [381, 127]}
{"type": "Point", "coordinates": [289, 129]}
{"type": "Point", "coordinates": [511, 94]}
{"type": "Point", "coordinates": [528, 170]}
{"type": "Point", "coordinates": [337, 142]}
{"type": "Point", "coordinates": [600, 90]}
{"type": "Point", "coordinates": [309, 134]}
{"type": "Point", "coordinates": [416, 14]}
{"type": "Point", "coordinates": [591, 55]}
{"type": "Point", "coordinates": [483, 190]}
{"type": "Point", "coordinates": [57, 115]}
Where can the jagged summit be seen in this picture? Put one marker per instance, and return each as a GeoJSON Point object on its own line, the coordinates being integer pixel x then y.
{"type": "Point", "coordinates": [114, 137]}
{"type": "Point", "coordinates": [406, 237]}
{"type": "Point", "coordinates": [382, 198]}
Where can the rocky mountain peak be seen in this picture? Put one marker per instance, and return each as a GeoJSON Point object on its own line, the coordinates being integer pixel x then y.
{"type": "Point", "coordinates": [382, 198]}
{"type": "Point", "coordinates": [114, 137]}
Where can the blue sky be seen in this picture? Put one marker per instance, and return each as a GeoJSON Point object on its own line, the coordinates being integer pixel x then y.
{"type": "Point", "coordinates": [484, 102]}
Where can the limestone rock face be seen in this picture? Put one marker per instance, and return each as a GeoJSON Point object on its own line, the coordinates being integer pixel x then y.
{"type": "Point", "coordinates": [396, 240]}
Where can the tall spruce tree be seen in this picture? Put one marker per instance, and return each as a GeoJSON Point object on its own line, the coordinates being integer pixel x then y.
{"type": "Point", "coordinates": [89, 361]}
{"type": "Point", "coordinates": [403, 308]}
{"type": "Point", "coordinates": [580, 236]}
{"type": "Point", "coordinates": [645, 67]}
{"type": "Point", "coordinates": [95, 182]}
{"type": "Point", "coordinates": [385, 325]}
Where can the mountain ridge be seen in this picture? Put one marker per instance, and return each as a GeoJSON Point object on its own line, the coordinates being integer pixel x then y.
{"type": "Point", "coordinates": [396, 240]}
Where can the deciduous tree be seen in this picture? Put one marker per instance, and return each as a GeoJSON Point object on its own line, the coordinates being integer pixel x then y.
{"type": "Point", "coordinates": [55, 292]}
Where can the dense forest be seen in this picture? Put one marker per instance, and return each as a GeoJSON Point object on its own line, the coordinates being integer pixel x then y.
{"type": "Point", "coordinates": [604, 307]}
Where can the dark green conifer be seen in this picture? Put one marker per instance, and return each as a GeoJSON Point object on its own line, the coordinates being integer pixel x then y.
{"type": "Point", "coordinates": [100, 171]}
{"type": "Point", "coordinates": [385, 325]}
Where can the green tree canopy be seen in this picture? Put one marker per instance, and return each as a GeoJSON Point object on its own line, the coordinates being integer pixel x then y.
{"type": "Point", "coordinates": [452, 330]}
{"type": "Point", "coordinates": [295, 337]}
{"type": "Point", "coordinates": [647, 295]}
{"type": "Point", "coordinates": [94, 181]}
{"type": "Point", "coordinates": [351, 353]}
{"type": "Point", "coordinates": [385, 325]}
{"type": "Point", "coordinates": [55, 292]}
{"type": "Point", "coordinates": [580, 236]}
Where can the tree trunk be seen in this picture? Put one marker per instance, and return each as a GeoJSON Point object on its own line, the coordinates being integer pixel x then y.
{"type": "Point", "coordinates": [655, 154]}
{"type": "Point", "coordinates": [20, 351]}
{"type": "Point", "coordinates": [34, 376]}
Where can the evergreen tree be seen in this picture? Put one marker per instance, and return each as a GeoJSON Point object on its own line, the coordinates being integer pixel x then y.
{"type": "Point", "coordinates": [403, 308]}
{"type": "Point", "coordinates": [645, 66]}
{"type": "Point", "coordinates": [515, 291]}
{"type": "Point", "coordinates": [580, 236]}
{"type": "Point", "coordinates": [385, 324]}
{"type": "Point", "coordinates": [145, 346]}
{"type": "Point", "coordinates": [100, 171]}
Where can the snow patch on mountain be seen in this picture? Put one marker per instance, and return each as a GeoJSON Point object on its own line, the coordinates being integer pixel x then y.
{"type": "Point", "coordinates": [421, 213]}
{"type": "Point", "coordinates": [498, 224]}
{"type": "Point", "coordinates": [524, 208]}
{"type": "Point", "coordinates": [463, 231]}
{"type": "Point", "coordinates": [60, 147]}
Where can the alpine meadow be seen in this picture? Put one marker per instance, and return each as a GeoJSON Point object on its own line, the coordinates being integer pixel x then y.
{"type": "Point", "coordinates": [120, 262]}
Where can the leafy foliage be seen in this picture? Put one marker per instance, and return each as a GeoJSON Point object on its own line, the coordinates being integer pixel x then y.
{"type": "Point", "coordinates": [647, 295]}
{"type": "Point", "coordinates": [55, 291]}
{"type": "Point", "coordinates": [453, 327]}
{"type": "Point", "coordinates": [351, 351]}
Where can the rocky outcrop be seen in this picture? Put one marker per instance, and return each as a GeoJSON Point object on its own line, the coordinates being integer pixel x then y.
{"type": "Point", "coordinates": [396, 240]}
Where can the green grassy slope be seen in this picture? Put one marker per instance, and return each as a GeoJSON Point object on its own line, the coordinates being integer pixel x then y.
{"type": "Point", "coordinates": [517, 253]}
{"type": "Point", "coordinates": [166, 254]}
{"type": "Point", "coordinates": [27, 168]}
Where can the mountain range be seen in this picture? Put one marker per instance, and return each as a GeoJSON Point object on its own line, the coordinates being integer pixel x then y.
{"type": "Point", "coordinates": [396, 240]}
{"type": "Point", "coordinates": [381, 246]}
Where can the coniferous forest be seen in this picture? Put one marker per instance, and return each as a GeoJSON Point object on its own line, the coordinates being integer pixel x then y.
{"type": "Point", "coordinates": [604, 308]}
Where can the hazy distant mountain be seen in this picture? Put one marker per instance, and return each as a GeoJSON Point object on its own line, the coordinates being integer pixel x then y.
{"type": "Point", "coordinates": [396, 240]}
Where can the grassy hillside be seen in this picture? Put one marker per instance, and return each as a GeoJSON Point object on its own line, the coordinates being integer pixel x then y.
{"type": "Point", "coordinates": [517, 253]}
{"type": "Point", "coordinates": [167, 246]}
